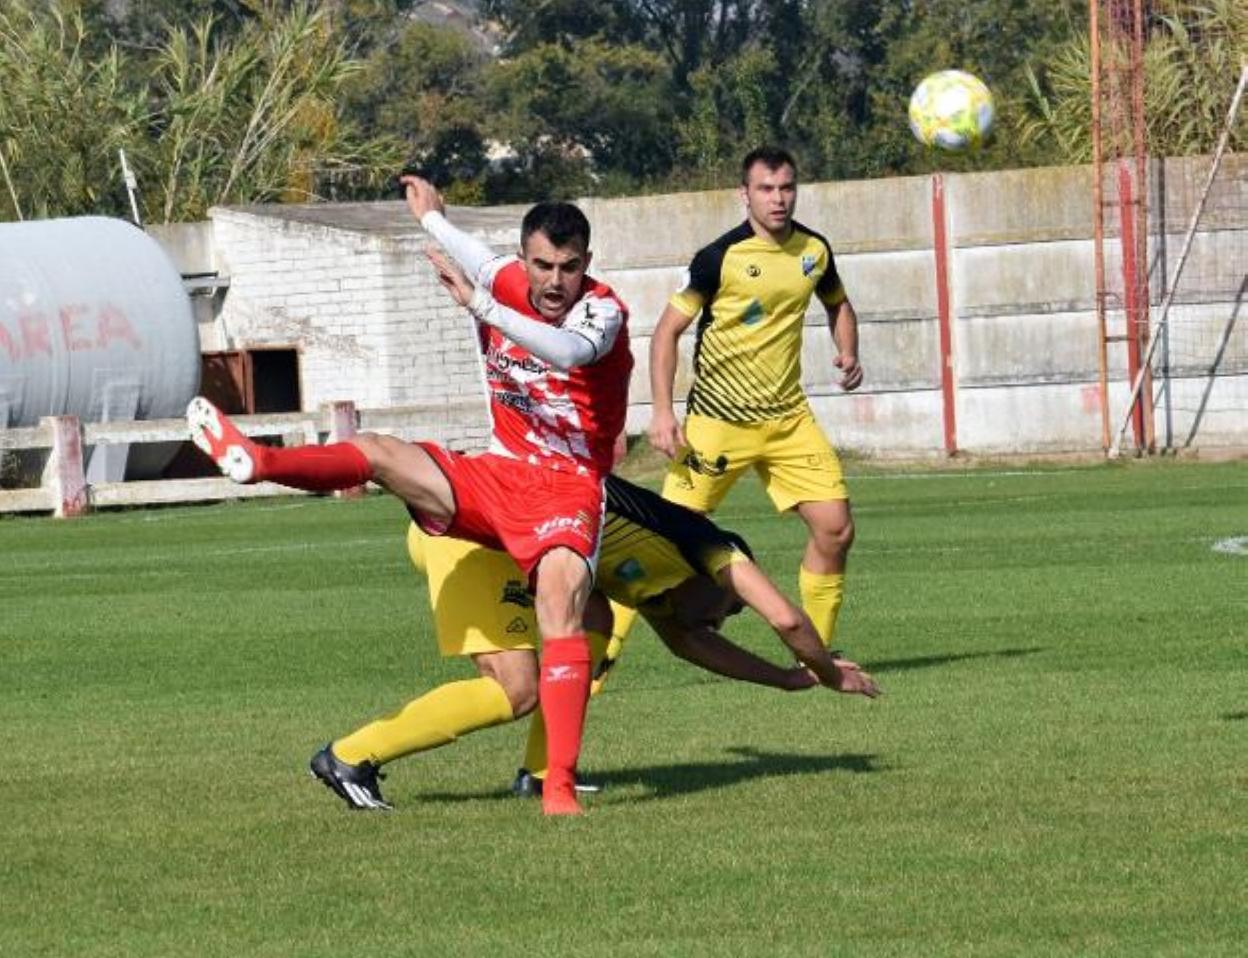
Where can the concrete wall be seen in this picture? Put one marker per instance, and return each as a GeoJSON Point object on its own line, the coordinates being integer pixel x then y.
{"type": "Point", "coordinates": [348, 287]}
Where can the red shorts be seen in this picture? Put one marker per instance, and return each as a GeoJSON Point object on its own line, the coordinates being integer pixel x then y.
{"type": "Point", "coordinates": [524, 509]}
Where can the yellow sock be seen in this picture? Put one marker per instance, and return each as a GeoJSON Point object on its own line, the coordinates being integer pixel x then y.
{"type": "Point", "coordinates": [622, 618]}
{"type": "Point", "coordinates": [535, 748]}
{"type": "Point", "coordinates": [436, 718]}
{"type": "Point", "coordinates": [822, 595]}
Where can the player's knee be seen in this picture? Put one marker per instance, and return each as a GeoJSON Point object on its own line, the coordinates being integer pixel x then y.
{"type": "Point", "coordinates": [374, 446]}
{"type": "Point", "coordinates": [523, 698]}
{"type": "Point", "coordinates": [834, 536]}
{"type": "Point", "coordinates": [562, 590]}
{"type": "Point", "coordinates": [516, 673]}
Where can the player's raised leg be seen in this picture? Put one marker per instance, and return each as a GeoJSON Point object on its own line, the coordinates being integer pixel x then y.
{"type": "Point", "coordinates": [340, 465]}
{"type": "Point", "coordinates": [403, 468]}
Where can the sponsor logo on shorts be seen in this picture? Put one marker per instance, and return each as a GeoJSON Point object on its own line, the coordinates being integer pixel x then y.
{"type": "Point", "coordinates": [578, 524]}
{"type": "Point", "coordinates": [703, 468]}
{"type": "Point", "coordinates": [515, 593]}
{"type": "Point", "coordinates": [517, 625]}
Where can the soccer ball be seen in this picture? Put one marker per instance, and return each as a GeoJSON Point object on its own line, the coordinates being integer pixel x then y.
{"type": "Point", "coordinates": [952, 110]}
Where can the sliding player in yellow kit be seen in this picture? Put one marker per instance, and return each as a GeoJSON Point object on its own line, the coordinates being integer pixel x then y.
{"type": "Point", "coordinates": [677, 568]}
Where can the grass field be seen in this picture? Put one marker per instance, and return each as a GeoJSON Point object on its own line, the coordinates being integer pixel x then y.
{"type": "Point", "coordinates": [1058, 767]}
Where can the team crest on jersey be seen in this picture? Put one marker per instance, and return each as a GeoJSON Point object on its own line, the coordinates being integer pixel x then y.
{"type": "Point", "coordinates": [753, 313]}
{"type": "Point", "coordinates": [753, 272]}
{"type": "Point", "coordinates": [515, 593]}
{"type": "Point", "coordinates": [630, 570]}
{"type": "Point", "coordinates": [809, 262]}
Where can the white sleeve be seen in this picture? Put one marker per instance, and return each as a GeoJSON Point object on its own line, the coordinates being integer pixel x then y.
{"type": "Point", "coordinates": [470, 253]}
{"type": "Point", "coordinates": [596, 319]}
{"type": "Point", "coordinates": [562, 347]}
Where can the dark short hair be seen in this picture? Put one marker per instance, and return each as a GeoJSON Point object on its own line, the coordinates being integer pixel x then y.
{"type": "Point", "coordinates": [561, 222]}
{"type": "Point", "coordinates": [772, 157]}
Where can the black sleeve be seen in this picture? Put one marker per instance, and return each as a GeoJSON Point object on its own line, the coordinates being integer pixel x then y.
{"type": "Point", "coordinates": [705, 270]}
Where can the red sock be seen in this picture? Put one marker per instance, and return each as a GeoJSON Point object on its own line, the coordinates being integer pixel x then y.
{"type": "Point", "coordinates": [339, 465]}
{"type": "Point", "coordinates": [563, 691]}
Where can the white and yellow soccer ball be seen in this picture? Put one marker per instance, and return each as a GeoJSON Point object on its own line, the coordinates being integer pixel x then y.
{"type": "Point", "coordinates": [952, 110]}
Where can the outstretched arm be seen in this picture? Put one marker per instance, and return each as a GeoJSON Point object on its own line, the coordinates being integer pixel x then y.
{"type": "Point", "coordinates": [587, 333]}
{"type": "Point", "coordinates": [426, 205]}
{"type": "Point", "coordinates": [704, 647]}
{"type": "Point", "coordinates": [795, 629]}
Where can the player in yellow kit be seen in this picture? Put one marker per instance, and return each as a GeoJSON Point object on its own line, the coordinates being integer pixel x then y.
{"type": "Point", "coordinates": [749, 291]}
{"type": "Point", "coordinates": [677, 568]}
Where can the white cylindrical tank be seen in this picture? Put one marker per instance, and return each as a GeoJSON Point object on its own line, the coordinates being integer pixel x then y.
{"type": "Point", "coordinates": [94, 323]}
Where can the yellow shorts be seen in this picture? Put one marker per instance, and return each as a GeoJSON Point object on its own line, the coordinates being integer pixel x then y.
{"type": "Point", "coordinates": [480, 602]}
{"type": "Point", "coordinates": [792, 457]}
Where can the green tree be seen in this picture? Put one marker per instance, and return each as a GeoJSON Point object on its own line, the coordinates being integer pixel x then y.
{"type": "Point", "coordinates": [575, 115]}
{"type": "Point", "coordinates": [423, 87]}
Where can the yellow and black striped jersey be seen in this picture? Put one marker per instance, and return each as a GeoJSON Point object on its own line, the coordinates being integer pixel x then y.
{"type": "Point", "coordinates": [753, 294]}
{"type": "Point", "coordinates": [650, 545]}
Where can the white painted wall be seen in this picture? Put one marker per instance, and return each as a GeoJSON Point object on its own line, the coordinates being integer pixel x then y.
{"type": "Point", "coordinates": [349, 288]}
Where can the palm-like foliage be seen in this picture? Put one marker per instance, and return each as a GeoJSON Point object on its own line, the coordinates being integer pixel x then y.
{"type": "Point", "coordinates": [1192, 61]}
{"type": "Point", "coordinates": [206, 119]}
{"type": "Point", "coordinates": [63, 116]}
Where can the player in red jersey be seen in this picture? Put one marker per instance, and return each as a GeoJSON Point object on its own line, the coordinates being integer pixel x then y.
{"type": "Point", "coordinates": [557, 364]}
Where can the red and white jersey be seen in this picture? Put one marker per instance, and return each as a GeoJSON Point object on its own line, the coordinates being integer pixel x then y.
{"type": "Point", "coordinates": [564, 419]}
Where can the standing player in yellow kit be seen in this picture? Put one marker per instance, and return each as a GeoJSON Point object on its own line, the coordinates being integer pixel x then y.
{"type": "Point", "coordinates": [750, 290]}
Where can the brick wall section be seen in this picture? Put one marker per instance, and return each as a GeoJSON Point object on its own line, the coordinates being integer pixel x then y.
{"type": "Point", "coordinates": [365, 312]}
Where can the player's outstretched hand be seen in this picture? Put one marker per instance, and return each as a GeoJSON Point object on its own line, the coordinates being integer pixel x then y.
{"type": "Point", "coordinates": [852, 680]}
{"type": "Point", "coordinates": [851, 371]}
{"type": "Point", "coordinates": [421, 195]}
{"type": "Point", "coordinates": [451, 276]}
{"type": "Point", "coordinates": [665, 433]}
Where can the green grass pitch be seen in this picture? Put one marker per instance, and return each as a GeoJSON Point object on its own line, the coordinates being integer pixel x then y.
{"type": "Point", "coordinates": [1059, 766]}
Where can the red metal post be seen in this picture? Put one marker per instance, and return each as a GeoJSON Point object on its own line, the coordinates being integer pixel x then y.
{"type": "Point", "coordinates": [1130, 290]}
{"type": "Point", "coordinates": [948, 387]}
{"type": "Point", "coordinates": [1098, 218]}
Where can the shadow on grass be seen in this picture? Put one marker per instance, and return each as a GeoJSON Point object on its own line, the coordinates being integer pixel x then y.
{"type": "Point", "coordinates": [667, 781]}
{"type": "Point", "coordinates": [932, 661]}
{"type": "Point", "coordinates": [1234, 716]}
{"type": "Point", "coordinates": [881, 665]}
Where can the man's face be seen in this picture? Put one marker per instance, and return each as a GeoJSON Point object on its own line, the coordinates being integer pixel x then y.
{"type": "Point", "coordinates": [770, 196]}
{"type": "Point", "coordinates": [555, 273]}
{"type": "Point", "coordinates": [699, 601]}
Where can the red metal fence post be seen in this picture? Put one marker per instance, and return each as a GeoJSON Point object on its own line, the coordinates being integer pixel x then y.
{"type": "Point", "coordinates": [948, 387]}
